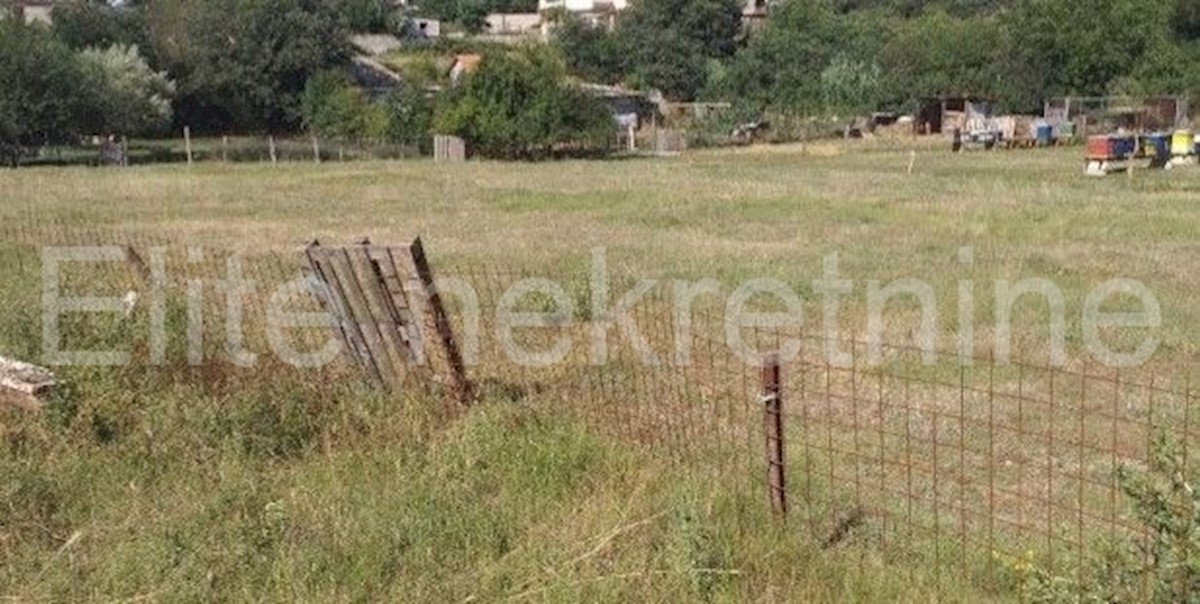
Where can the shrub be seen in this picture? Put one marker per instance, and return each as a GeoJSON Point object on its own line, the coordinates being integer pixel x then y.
{"type": "Point", "coordinates": [126, 96]}
{"type": "Point", "coordinates": [408, 117]}
{"type": "Point", "coordinates": [39, 96]}
{"type": "Point", "coordinates": [332, 107]}
{"type": "Point", "coordinates": [519, 105]}
{"type": "Point", "coordinates": [1164, 566]}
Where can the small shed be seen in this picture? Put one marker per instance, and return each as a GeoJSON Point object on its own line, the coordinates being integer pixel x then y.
{"type": "Point", "coordinates": [628, 107]}
{"type": "Point", "coordinates": [945, 113]}
{"type": "Point", "coordinates": [425, 29]}
{"type": "Point", "coordinates": [514, 24]}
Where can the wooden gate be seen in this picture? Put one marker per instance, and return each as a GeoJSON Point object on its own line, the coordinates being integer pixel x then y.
{"type": "Point", "coordinates": [387, 312]}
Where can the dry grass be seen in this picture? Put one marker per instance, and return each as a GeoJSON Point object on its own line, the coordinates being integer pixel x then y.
{"type": "Point", "coordinates": [732, 215]}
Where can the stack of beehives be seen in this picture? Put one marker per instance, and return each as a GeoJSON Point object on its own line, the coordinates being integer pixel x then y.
{"type": "Point", "coordinates": [954, 120]}
{"type": "Point", "coordinates": [1017, 130]}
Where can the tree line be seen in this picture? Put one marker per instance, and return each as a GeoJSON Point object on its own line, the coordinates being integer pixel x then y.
{"type": "Point", "coordinates": [269, 66]}
{"type": "Point", "coordinates": [815, 56]}
{"type": "Point", "coordinates": [280, 66]}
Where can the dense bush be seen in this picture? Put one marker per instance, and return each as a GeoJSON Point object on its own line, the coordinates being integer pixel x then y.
{"type": "Point", "coordinates": [124, 95]}
{"type": "Point", "coordinates": [52, 94]}
{"type": "Point", "coordinates": [38, 99]}
{"type": "Point", "coordinates": [409, 117]}
{"type": "Point", "coordinates": [590, 51]}
{"type": "Point", "coordinates": [519, 105]}
{"type": "Point", "coordinates": [370, 16]}
{"type": "Point", "coordinates": [662, 44]}
{"type": "Point", "coordinates": [334, 108]}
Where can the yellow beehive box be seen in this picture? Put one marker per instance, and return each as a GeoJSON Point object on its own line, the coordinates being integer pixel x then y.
{"type": "Point", "coordinates": [1181, 143]}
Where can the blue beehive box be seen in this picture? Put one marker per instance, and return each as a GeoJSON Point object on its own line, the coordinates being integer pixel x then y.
{"type": "Point", "coordinates": [1123, 146]}
{"type": "Point", "coordinates": [1044, 133]}
{"type": "Point", "coordinates": [1156, 144]}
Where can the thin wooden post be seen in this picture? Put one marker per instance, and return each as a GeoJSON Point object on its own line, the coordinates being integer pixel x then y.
{"type": "Point", "coordinates": [271, 147]}
{"type": "Point", "coordinates": [225, 149]}
{"type": "Point", "coordinates": [124, 151]}
{"type": "Point", "coordinates": [187, 143]}
{"type": "Point", "coordinates": [437, 319]}
{"type": "Point", "coordinates": [773, 429]}
{"type": "Point", "coordinates": [316, 150]}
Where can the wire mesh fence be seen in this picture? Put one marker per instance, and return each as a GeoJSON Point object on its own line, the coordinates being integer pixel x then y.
{"type": "Point", "coordinates": [1102, 115]}
{"type": "Point", "coordinates": [972, 469]}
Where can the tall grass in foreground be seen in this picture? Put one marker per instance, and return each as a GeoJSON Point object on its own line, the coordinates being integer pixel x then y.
{"type": "Point", "coordinates": [295, 490]}
{"type": "Point", "coordinates": [215, 483]}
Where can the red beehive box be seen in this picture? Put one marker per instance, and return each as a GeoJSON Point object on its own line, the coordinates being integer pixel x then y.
{"type": "Point", "coordinates": [1099, 147]}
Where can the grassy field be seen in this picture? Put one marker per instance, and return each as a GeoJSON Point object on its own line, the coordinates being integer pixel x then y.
{"type": "Point", "coordinates": [174, 483]}
{"type": "Point", "coordinates": [731, 215]}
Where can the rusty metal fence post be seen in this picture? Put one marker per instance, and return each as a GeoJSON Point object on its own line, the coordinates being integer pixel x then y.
{"type": "Point", "coordinates": [773, 430]}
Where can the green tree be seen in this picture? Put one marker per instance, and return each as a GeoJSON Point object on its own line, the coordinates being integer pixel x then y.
{"type": "Point", "coordinates": [39, 100]}
{"type": "Point", "coordinates": [938, 54]}
{"type": "Point", "coordinates": [124, 95]}
{"type": "Point", "coordinates": [591, 51]}
{"type": "Point", "coordinates": [1093, 46]}
{"type": "Point", "coordinates": [97, 24]}
{"type": "Point", "coordinates": [851, 85]}
{"type": "Point", "coordinates": [409, 113]}
{"type": "Point", "coordinates": [780, 67]}
{"type": "Point", "coordinates": [243, 64]}
{"type": "Point", "coordinates": [369, 16]}
{"type": "Point", "coordinates": [663, 60]}
{"type": "Point", "coordinates": [519, 105]}
{"type": "Point", "coordinates": [1187, 19]}
{"type": "Point", "coordinates": [666, 43]}
{"type": "Point", "coordinates": [332, 107]}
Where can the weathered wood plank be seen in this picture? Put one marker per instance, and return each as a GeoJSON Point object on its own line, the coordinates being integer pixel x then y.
{"type": "Point", "coordinates": [367, 323]}
{"type": "Point", "coordinates": [393, 281]}
{"type": "Point", "coordinates": [25, 378]}
{"type": "Point", "coordinates": [323, 259]}
{"type": "Point", "coordinates": [439, 323]}
{"type": "Point", "coordinates": [383, 315]}
{"type": "Point", "coordinates": [326, 299]}
{"type": "Point", "coordinates": [323, 293]}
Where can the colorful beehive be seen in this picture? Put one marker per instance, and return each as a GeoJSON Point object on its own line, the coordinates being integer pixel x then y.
{"type": "Point", "coordinates": [1044, 134]}
{"type": "Point", "coordinates": [1065, 131]}
{"type": "Point", "coordinates": [1156, 145]}
{"type": "Point", "coordinates": [1099, 147]}
{"type": "Point", "coordinates": [1182, 143]}
{"type": "Point", "coordinates": [1108, 147]}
